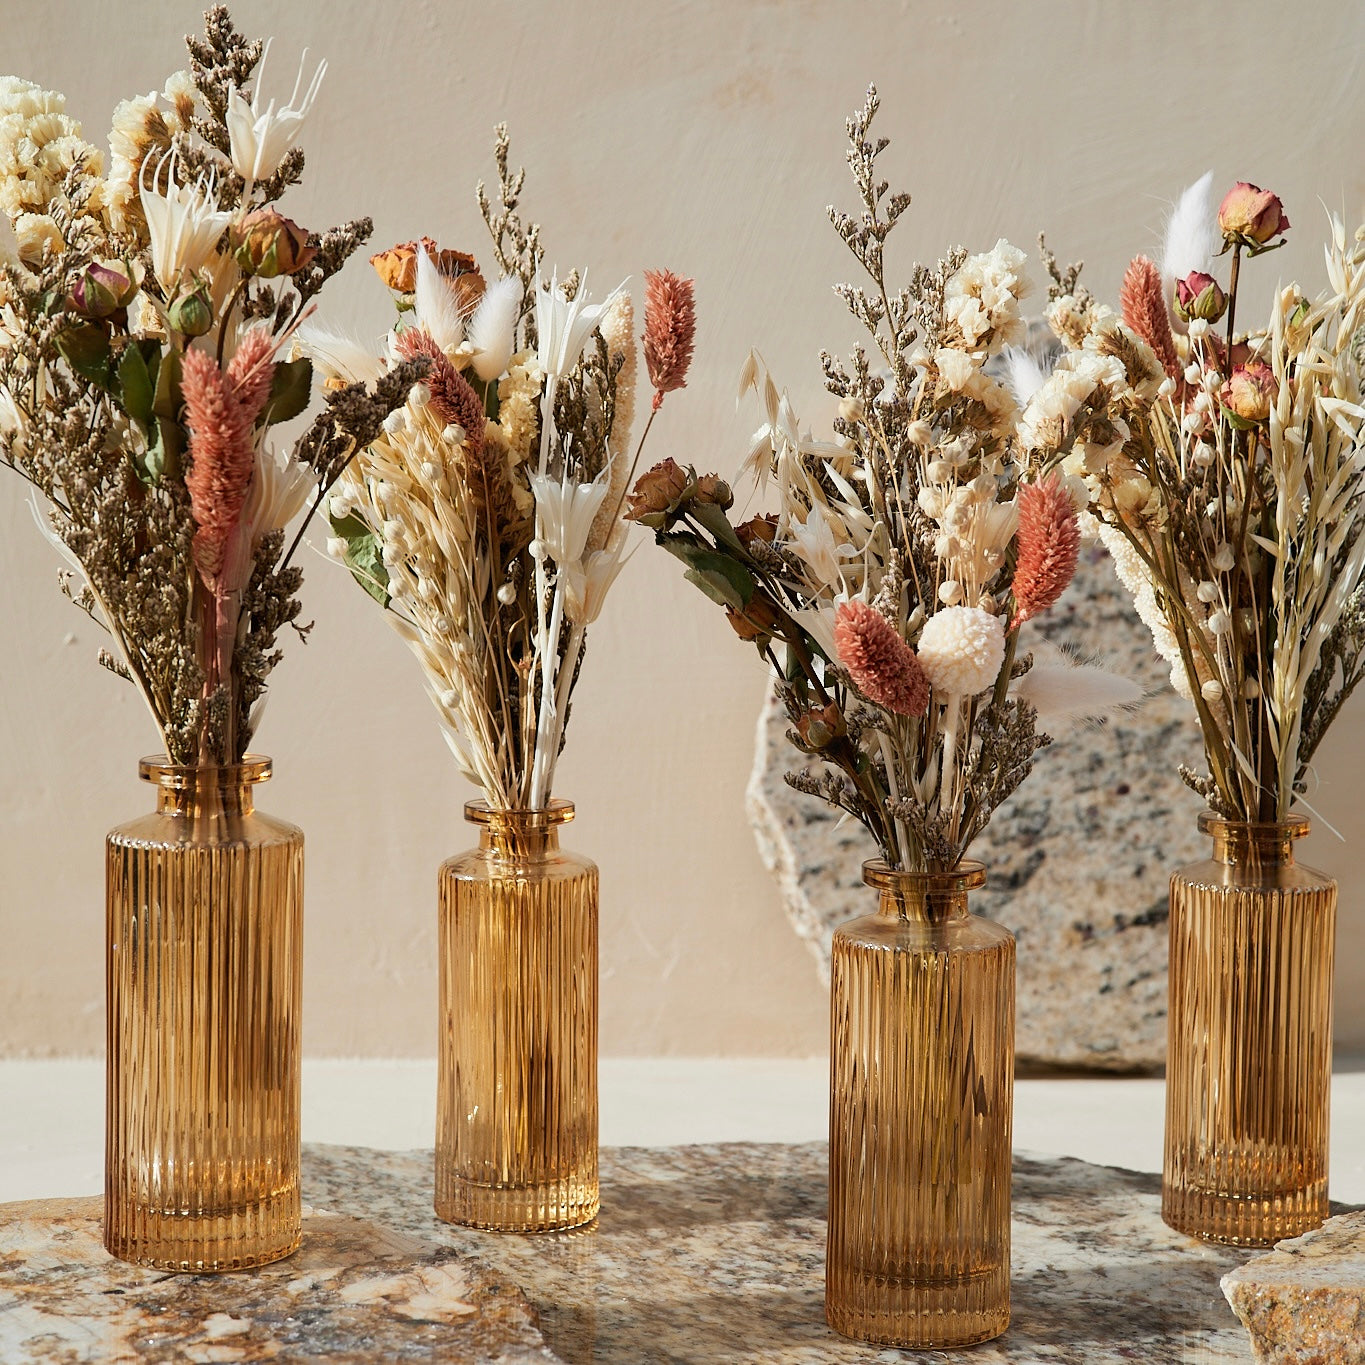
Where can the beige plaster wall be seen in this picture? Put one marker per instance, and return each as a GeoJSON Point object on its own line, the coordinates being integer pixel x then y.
{"type": "Point", "coordinates": [706, 136]}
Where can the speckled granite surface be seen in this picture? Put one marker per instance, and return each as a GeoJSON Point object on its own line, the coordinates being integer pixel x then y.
{"type": "Point", "coordinates": [715, 1256]}
{"type": "Point", "coordinates": [355, 1292]}
{"type": "Point", "coordinates": [1304, 1302]}
{"type": "Point", "coordinates": [1078, 859]}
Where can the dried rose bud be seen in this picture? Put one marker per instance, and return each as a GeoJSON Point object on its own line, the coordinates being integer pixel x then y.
{"type": "Point", "coordinates": [712, 488]}
{"type": "Point", "coordinates": [1250, 391]}
{"type": "Point", "coordinates": [659, 492]}
{"type": "Point", "coordinates": [268, 244]}
{"type": "Point", "coordinates": [1250, 215]}
{"type": "Point", "coordinates": [757, 529]}
{"type": "Point", "coordinates": [192, 314]}
{"type": "Point", "coordinates": [397, 267]}
{"type": "Point", "coordinates": [820, 727]}
{"type": "Point", "coordinates": [101, 291]}
{"type": "Point", "coordinates": [1199, 296]}
{"type": "Point", "coordinates": [757, 621]}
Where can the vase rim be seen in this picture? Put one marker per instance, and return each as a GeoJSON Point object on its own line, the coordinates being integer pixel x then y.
{"type": "Point", "coordinates": [522, 820]}
{"type": "Point", "coordinates": [158, 768]}
{"type": "Point", "coordinates": [968, 875]}
{"type": "Point", "coordinates": [1293, 826]}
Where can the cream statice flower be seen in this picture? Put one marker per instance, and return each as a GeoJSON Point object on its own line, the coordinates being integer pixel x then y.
{"type": "Point", "coordinates": [981, 301]}
{"type": "Point", "coordinates": [184, 224]}
{"type": "Point", "coordinates": [141, 128]}
{"type": "Point", "coordinates": [259, 137]}
{"type": "Point", "coordinates": [40, 144]}
{"type": "Point", "coordinates": [961, 650]}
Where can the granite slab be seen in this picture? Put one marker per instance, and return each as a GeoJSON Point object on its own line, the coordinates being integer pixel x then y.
{"type": "Point", "coordinates": [1078, 860]}
{"type": "Point", "coordinates": [714, 1255]}
{"type": "Point", "coordinates": [355, 1293]}
{"type": "Point", "coordinates": [1304, 1302]}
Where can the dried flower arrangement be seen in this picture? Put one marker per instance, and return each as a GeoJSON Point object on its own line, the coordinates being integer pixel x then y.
{"type": "Point", "coordinates": [1232, 494]}
{"type": "Point", "coordinates": [905, 555]}
{"type": "Point", "coordinates": [486, 515]}
{"type": "Point", "coordinates": [142, 313]}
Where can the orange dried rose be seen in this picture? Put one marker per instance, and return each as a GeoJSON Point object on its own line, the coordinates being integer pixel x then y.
{"type": "Point", "coordinates": [658, 491]}
{"type": "Point", "coordinates": [397, 267]}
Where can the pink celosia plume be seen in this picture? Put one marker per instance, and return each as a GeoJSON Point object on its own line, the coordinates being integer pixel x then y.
{"type": "Point", "coordinates": [221, 412]}
{"type": "Point", "coordinates": [670, 330]}
{"type": "Point", "coordinates": [1049, 545]}
{"type": "Point", "coordinates": [451, 393]}
{"type": "Point", "coordinates": [1143, 302]}
{"type": "Point", "coordinates": [881, 664]}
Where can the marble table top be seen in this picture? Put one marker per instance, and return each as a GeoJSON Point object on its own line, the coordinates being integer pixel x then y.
{"type": "Point", "coordinates": [712, 1255]}
{"type": "Point", "coordinates": [707, 1255]}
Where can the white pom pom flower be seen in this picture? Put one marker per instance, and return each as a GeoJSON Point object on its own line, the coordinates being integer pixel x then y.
{"type": "Point", "coordinates": [961, 649]}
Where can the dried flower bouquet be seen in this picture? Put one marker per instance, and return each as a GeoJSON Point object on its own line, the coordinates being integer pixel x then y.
{"type": "Point", "coordinates": [486, 516]}
{"type": "Point", "coordinates": [1231, 499]}
{"type": "Point", "coordinates": [143, 312]}
{"type": "Point", "coordinates": [888, 590]}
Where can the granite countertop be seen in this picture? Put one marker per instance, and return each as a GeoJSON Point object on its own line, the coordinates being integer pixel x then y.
{"type": "Point", "coordinates": [706, 1255]}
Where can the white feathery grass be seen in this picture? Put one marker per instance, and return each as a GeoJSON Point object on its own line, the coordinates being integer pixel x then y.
{"type": "Point", "coordinates": [1191, 239]}
{"type": "Point", "coordinates": [1067, 691]}
{"type": "Point", "coordinates": [492, 329]}
{"type": "Point", "coordinates": [337, 355]}
{"type": "Point", "coordinates": [435, 307]}
{"type": "Point", "coordinates": [1024, 376]}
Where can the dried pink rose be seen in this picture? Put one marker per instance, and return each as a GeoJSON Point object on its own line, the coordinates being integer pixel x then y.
{"type": "Point", "coordinates": [1199, 296]}
{"type": "Point", "coordinates": [1250, 215]}
{"type": "Point", "coordinates": [1250, 391]}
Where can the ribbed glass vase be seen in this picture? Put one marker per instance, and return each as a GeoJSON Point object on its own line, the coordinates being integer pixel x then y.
{"type": "Point", "coordinates": [516, 1124]}
{"type": "Point", "coordinates": [1249, 1050]}
{"type": "Point", "coordinates": [203, 977]}
{"type": "Point", "coordinates": [921, 1094]}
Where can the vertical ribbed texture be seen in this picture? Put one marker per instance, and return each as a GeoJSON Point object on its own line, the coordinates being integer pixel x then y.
{"type": "Point", "coordinates": [516, 1135]}
{"type": "Point", "coordinates": [1249, 1050]}
{"type": "Point", "coordinates": [921, 1091]}
{"type": "Point", "coordinates": [203, 976]}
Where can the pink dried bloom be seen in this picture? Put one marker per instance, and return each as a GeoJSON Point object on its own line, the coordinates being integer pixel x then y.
{"type": "Point", "coordinates": [221, 413]}
{"type": "Point", "coordinates": [1250, 215]}
{"type": "Point", "coordinates": [881, 664]}
{"type": "Point", "coordinates": [1142, 301]}
{"type": "Point", "coordinates": [1250, 391]}
{"type": "Point", "coordinates": [451, 393]}
{"type": "Point", "coordinates": [1049, 545]}
{"type": "Point", "coordinates": [670, 330]}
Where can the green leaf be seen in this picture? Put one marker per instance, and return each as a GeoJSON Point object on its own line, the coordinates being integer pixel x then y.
{"type": "Point", "coordinates": [290, 390]}
{"type": "Point", "coordinates": [136, 389]}
{"type": "Point", "coordinates": [722, 579]}
{"type": "Point", "coordinates": [363, 556]}
{"type": "Point", "coordinates": [167, 399]}
{"type": "Point", "coordinates": [163, 454]}
{"type": "Point", "coordinates": [715, 521]}
{"type": "Point", "coordinates": [86, 349]}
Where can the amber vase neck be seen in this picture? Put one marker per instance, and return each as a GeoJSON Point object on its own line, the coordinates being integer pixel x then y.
{"type": "Point", "coordinates": [519, 833]}
{"type": "Point", "coordinates": [924, 897]}
{"type": "Point", "coordinates": [202, 791]}
{"type": "Point", "coordinates": [1240, 843]}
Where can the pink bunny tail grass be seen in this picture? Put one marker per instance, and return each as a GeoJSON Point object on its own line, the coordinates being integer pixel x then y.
{"type": "Point", "coordinates": [451, 393]}
{"type": "Point", "coordinates": [1142, 300]}
{"type": "Point", "coordinates": [222, 457]}
{"type": "Point", "coordinates": [670, 330]}
{"type": "Point", "coordinates": [884, 668]}
{"type": "Point", "coordinates": [1049, 545]}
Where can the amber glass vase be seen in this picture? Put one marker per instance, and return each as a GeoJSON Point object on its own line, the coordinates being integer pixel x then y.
{"type": "Point", "coordinates": [203, 977]}
{"type": "Point", "coordinates": [1249, 1050]}
{"type": "Point", "coordinates": [921, 1091]}
{"type": "Point", "coordinates": [516, 1123]}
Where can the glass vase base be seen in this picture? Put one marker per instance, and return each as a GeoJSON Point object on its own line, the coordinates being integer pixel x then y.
{"type": "Point", "coordinates": [1245, 1219]}
{"type": "Point", "coordinates": [254, 1235]}
{"type": "Point", "coordinates": [517, 1208]}
{"type": "Point", "coordinates": [920, 1314]}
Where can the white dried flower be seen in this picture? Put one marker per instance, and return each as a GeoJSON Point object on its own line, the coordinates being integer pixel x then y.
{"type": "Point", "coordinates": [1211, 690]}
{"type": "Point", "coordinates": [961, 650]}
{"type": "Point", "coordinates": [258, 138]}
{"type": "Point", "coordinates": [507, 594]}
{"type": "Point", "coordinates": [1224, 560]}
{"type": "Point", "coordinates": [396, 422]}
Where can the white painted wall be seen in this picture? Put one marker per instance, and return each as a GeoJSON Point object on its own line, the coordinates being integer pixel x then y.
{"type": "Point", "coordinates": [707, 137]}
